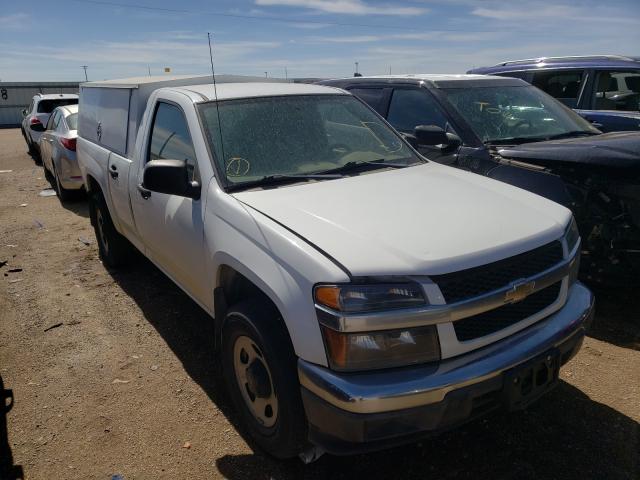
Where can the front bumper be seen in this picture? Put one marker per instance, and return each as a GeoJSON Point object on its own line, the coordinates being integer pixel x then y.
{"type": "Point", "coordinates": [356, 412]}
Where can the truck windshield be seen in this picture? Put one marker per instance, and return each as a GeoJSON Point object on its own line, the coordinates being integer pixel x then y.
{"type": "Point", "coordinates": [295, 136]}
{"type": "Point", "coordinates": [516, 114]}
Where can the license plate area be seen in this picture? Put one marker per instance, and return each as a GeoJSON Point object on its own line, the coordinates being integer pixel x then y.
{"type": "Point", "coordinates": [527, 382]}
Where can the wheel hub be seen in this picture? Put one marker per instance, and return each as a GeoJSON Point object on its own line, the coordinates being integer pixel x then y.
{"type": "Point", "coordinates": [258, 379]}
{"type": "Point", "coordinates": [255, 381]}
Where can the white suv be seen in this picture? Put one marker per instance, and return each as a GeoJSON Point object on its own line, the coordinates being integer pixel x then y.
{"type": "Point", "coordinates": [37, 115]}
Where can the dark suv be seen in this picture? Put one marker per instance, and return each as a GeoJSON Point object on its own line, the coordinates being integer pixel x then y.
{"type": "Point", "coordinates": [603, 89]}
{"type": "Point", "coordinates": [509, 130]}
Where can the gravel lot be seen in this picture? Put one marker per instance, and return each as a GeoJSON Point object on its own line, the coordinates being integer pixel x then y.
{"type": "Point", "coordinates": [112, 374]}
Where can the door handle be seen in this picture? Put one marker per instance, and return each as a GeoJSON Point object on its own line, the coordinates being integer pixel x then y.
{"type": "Point", "coordinates": [144, 192]}
{"type": "Point", "coordinates": [113, 172]}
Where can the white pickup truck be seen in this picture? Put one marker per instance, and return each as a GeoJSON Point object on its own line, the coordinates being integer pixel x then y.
{"type": "Point", "coordinates": [362, 295]}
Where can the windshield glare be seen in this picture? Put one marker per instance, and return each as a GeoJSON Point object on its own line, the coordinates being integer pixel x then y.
{"type": "Point", "coordinates": [297, 135]}
{"type": "Point", "coordinates": [503, 113]}
{"type": "Point", "coordinates": [72, 121]}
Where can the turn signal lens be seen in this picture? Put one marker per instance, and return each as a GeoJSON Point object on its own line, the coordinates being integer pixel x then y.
{"type": "Point", "coordinates": [381, 349]}
{"type": "Point", "coordinates": [329, 296]}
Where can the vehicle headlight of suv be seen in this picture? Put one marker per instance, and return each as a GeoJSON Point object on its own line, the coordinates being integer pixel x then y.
{"type": "Point", "coordinates": [369, 350]}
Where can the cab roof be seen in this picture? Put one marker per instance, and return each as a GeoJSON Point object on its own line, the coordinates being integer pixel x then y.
{"type": "Point", "coordinates": [431, 80]}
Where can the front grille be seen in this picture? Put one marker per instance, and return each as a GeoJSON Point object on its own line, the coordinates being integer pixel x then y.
{"type": "Point", "coordinates": [472, 282]}
{"type": "Point", "coordinates": [502, 317]}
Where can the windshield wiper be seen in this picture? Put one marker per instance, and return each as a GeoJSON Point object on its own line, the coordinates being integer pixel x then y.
{"type": "Point", "coordinates": [381, 163]}
{"type": "Point", "coordinates": [519, 140]}
{"type": "Point", "coordinates": [279, 178]}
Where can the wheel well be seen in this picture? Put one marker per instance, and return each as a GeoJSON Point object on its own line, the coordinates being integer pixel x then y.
{"type": "Point", "coordinates": [233, 287]}
{"type": "Point", "coordinates": [92, 185]}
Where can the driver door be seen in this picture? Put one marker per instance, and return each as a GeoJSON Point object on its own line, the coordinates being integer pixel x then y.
{"type": "Point", "coordinates": [171, 226]}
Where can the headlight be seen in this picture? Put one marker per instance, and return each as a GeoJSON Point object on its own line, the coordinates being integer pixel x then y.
{"type": "Point", "coordinates": [381, 349]}
{"type": "Point", "coordinates": [571, 235]}
{"type": "Point", "coordinates": [369, 297]}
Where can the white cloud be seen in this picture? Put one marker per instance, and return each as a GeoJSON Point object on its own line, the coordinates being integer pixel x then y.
{"type": "Point", "coordinates": [346, 7]}
{"type": "Point", "coordinates": [512, 12]}
{"type": "Point", "coordinates": [14, 21]}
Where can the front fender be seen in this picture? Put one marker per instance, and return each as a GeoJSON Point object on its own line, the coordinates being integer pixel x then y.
{"type": "Point", "coordinates": [541, 183]}
{"type": "Point", "coordinates": [284, 266]}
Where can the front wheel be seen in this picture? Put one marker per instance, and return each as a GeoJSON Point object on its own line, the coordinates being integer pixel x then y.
{"type": "Point", "coordinates": [115, 250]}
{"type": "Point", "coordinates": [260, 370]}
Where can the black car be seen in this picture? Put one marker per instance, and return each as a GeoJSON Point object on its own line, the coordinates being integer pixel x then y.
{"type": "Point", "coordinates": [604, 89]}
{"type": "Point", "coordinates": [509, 130]}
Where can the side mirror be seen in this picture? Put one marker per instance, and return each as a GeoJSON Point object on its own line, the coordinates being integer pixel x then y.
{"type": "Point", "coordinates": [430, 135]}
{"type": "Point", "coordinates": [170, 177]}
{"type": "Point", "coordinates": [24, 112]}
{"type": "Point", "coordinates": [37, 127]}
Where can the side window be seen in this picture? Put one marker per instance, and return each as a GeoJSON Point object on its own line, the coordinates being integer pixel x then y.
{"type": "Point", "coordinates": [563, 85]}
{"type": "Point", "coordinates": [617, 91]}
{"type": "Point", "coordinates": [53, 121]}
{"type": "Point", "coordinates": [412, 107]}
{"type": "Point", "coordinates": [374, 97]}
{"type": "Point", "coordinates": [170, 138]}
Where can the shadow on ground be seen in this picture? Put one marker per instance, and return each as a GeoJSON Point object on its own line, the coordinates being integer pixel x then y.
{"type": "Point", "coordinates": [617, 318]}
{"type": "Point", "coordinates": [8, 471]}
{"type": "Point", "coordinates": [567, 435]}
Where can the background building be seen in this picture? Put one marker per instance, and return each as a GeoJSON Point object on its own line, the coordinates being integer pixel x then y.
{"type": "Point", "coordinates": [15, 96]}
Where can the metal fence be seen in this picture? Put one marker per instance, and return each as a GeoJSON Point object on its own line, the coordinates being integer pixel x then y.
{"type": "Point", "coordinates": [15, 96]}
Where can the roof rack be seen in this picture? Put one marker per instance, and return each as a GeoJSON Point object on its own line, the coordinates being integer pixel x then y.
{"type": "Point", "coordinates": [574, 57]}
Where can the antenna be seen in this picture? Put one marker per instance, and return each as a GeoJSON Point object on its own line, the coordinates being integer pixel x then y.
{"type": "Point", "coordinates": [215, 93]}
{"type": "Point", "coordinates": [85, 72]}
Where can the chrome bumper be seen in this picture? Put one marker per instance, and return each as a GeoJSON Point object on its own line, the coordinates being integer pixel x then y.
{"type": "Point", "coordinates": [408, 387]}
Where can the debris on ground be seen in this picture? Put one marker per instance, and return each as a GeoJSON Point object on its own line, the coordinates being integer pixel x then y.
{"type": "Point", "coordinates": [38, 224]}
{"type": "Point", "coordinates": [85, 240]}
{"type": "Point", "coordinates": [117, 380]}
{"type": "Point", "coordinates": [186, 445]}
{"type": "Point", "coordinates": [15, 280]}
{"type": "Point", "coordinates": [47, 192]}
{"type": "Point", "coordinates": [3, 263]}
{"type": "Point", "coordinates": [51, 327]}
{"type": "Point", "coordinates": [13, 270]}
{"type": "Point", "coordinates": [6, 171]}
{"type": "Point", "coordinates": [23, 204]}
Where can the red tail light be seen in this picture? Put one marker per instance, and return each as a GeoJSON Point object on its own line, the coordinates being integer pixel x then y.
{"type": "Point", "coordinates": [35, 121]}
{"type": "Point", "coordinates": [69, 143]}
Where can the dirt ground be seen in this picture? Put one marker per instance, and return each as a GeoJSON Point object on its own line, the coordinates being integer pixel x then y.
{"type": "Point", "coordinates": [112, 375]}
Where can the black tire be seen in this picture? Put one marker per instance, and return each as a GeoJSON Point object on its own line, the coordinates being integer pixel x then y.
{"type": "Point", "coordinates": [258, 320]}
{"type": "Point", "coordinates": [115, 250]}
{"type": "Point", "coordinates": [63, 194]}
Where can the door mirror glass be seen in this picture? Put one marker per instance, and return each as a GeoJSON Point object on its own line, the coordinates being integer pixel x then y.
{"type": "Point", "coordinates": [170, 177]}
{"type": "Point", "coordinates": [24, 112]}
{"type": "Point", "coordinates": [430, 135]}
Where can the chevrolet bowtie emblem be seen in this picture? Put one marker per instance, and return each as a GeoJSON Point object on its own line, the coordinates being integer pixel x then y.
{"type": "Point", "coordinates": [519, 291]}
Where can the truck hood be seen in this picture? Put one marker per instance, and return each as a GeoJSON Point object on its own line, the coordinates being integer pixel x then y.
{"type": "Point", "coordinates": [617, 150]}
{"type": "Point", "coordinates": [424, 220]}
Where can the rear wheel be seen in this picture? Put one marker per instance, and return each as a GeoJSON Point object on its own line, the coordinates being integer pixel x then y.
{"type": "Point", "coordinates": [260, 370]}
{"type": "Point", "coordinates": [115, 250]}
{"type": "Point", "coordinates": [63, 194]}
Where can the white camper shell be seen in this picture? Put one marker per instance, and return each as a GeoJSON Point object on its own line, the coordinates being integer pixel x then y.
{"type": "Point", "coordinates": [111, 110]}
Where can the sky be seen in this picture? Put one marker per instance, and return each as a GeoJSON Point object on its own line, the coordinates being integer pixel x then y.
{"type": "Point", "coordinates": [50, 41]}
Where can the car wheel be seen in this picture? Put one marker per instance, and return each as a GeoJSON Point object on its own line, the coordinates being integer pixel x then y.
{"type": "Point", "coordinates": [63, 194]}
{"type": "Point", "coordinates": [115, 250]}
{"type": "Point", "coordinates": [260, 370]}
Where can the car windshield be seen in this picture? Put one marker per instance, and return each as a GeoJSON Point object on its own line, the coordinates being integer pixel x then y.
{"type": "Point", "coordinates": [72, 121]}
{"type": "Point", "coordinates": [518, 113]}
{"type": "Point", "coordinates": [297, 136]}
